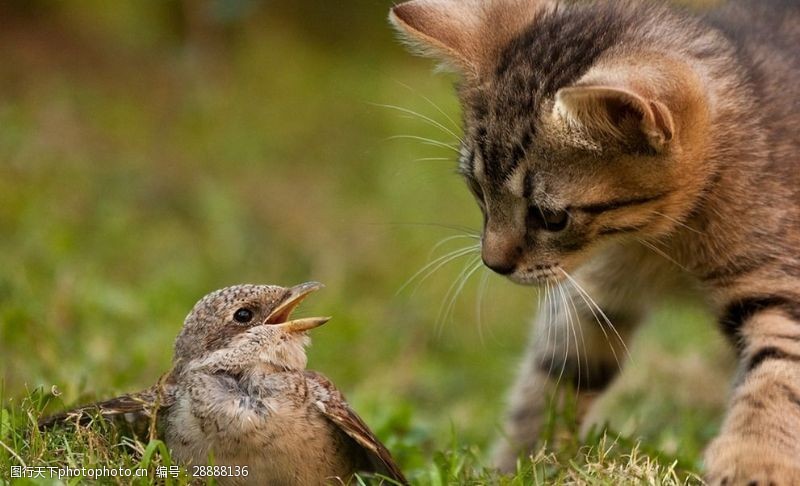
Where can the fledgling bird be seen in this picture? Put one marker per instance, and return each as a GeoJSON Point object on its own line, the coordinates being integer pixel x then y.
{"type": "Point", "coordinates": [239, 391]}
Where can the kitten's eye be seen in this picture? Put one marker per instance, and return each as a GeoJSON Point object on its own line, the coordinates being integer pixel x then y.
{"type": "Point", "coordinates": [476, 189]}
{"type": "Point", "coordinates": [556, 220]}
{"type": "Point", "coordinates": [243, 315]}
{"type": "Point", "coordinates": [547, 219]}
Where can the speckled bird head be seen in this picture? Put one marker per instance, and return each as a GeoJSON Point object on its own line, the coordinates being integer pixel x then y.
{"type": "Point", "coordinates": [247, 320]}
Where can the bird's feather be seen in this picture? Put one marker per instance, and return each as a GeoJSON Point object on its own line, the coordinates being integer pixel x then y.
{"type": "Point", "coordinates": [139, 409]}
{"type": "Point", "coordinates": [334, 406]}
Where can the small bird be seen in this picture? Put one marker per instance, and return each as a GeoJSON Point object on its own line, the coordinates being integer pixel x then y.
{"type": "Point", "coordinates": [239, 392]}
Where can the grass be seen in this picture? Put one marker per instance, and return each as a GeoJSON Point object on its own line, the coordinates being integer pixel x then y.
{"type": "Point", "coordinates": [138, 172]}
{"type": "Point", "coordinates": [597, 459]}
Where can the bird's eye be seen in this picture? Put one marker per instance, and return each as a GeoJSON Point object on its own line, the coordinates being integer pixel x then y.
{"type": "Point", "coordinates": [243, 315]}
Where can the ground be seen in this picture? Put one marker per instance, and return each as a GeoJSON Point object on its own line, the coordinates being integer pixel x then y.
{"type": "Point", "coordinates": [141, 168]}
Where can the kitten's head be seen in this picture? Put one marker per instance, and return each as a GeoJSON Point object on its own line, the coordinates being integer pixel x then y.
{"type": "Point", "coordinates": [575, 134]}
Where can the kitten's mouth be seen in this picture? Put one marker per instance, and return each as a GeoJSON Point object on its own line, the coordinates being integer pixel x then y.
{"type": "Point", "coordinates": [280, 317]}
{"type": "Point", "coordinates": [536, 275]}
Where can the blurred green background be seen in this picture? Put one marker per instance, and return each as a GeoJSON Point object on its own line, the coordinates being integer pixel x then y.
{"type": "Point", "coordinates": [154, 150]}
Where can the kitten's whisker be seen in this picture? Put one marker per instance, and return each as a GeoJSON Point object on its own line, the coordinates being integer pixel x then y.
{"type": "Point", "coordinates": [541, 318]}
{"type": "Point", "coordinates": [443, 258]}
{"type": "Point", "coordinates": [453, 292]}
{"type": "Point", "coordinates": [482, 288]}
{"type": "Point", "coordinates": [453, 227]}
{"type": "Point", "coordinates": [426, 141]}
{"type": "Point", "coordinates": [678, 222]}
{"type": "Point", "coordinates": [660, 252]}
{"type": "Point", "coordinates": [425, 277]}
{"type": "Point", "coordinates": [550, 318]}
{"type": "Point", "coordinates": [436, 264]}
{"type": "Point", "coordinates": [448, 239]}
{"type": "Point", "coordinates": [574, 333]}
{"type": "Point", "coordinates": [435, 159]}
{"type": "Point", "coordinates": [476, 266]}
{"type": "Point", "coordinates": [434, 105]}
{"type": "Point", "coordinates": [580, 328]}
{"type": "Point", "coordinates": [599, 309]}
{"type": "Point", "coordinates": [603, 329]}
{"type": "Point", "coordinates": [592, 305]}
{"type": "Point", "coordinates": [426, 119]}
{"type": "Point", "coordinates": [566, 342]}
{"type": "Point", "coordinates": [575, 321]}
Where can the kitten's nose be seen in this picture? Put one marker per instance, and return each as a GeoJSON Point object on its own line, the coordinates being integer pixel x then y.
{"type": "Point", "coordinates": [503, 268]}
{"type": "Point", "coordinates": [500, 252]}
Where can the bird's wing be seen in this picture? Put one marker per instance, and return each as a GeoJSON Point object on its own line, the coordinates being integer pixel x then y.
{"type": "Point", "coordinates": [136, 408]}
{"type": "Point", "coordinates": [333, 405]}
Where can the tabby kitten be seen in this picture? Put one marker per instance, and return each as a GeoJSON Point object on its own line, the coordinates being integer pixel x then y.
{"type": "Point", "coordinates": [643, 150]}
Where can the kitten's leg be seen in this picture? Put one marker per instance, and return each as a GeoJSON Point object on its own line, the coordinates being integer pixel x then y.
{"type": "Point", "coordinates": [573, 346]}
{"type": "Point", "coordinates": [760, 438]}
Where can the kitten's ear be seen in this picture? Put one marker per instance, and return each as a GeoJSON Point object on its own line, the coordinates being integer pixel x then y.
{"type": "Point", "coordinates": [464, 34]}
{"type": "Point", "coordinates": [618, 112]}
{"type": "Point", "coordinates": [441, 29]}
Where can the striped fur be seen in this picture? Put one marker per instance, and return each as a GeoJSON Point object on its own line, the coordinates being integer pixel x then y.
{"type": "Point", "coordinates": [642, 150]}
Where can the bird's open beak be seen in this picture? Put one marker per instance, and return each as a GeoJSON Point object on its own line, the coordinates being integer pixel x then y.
{"type": "Point", "coordinates": [280, 316]}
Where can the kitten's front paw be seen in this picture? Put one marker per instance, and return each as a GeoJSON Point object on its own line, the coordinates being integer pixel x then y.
{"type": "Point", "coordinates": [747, 461]}
{"type": "Point", "coordinates": [505, 458]}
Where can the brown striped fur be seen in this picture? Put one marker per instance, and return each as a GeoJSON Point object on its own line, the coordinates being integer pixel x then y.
{"type": "Point", "coordinates": [642, 150]}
